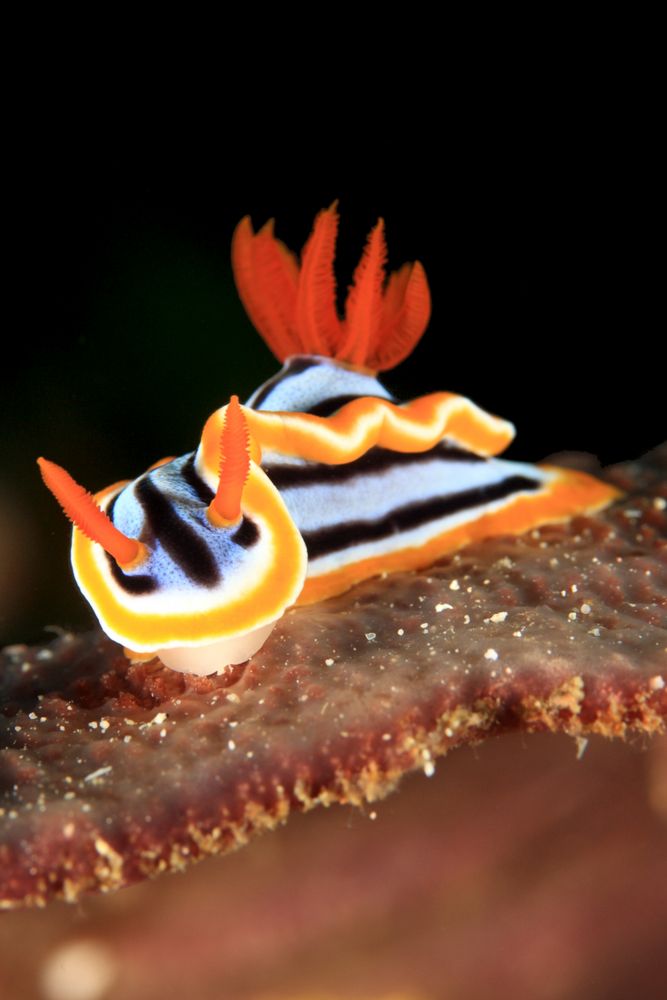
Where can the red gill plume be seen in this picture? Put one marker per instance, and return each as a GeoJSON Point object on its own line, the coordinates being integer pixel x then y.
{"type": "Point", "coordinates": [293, 305]}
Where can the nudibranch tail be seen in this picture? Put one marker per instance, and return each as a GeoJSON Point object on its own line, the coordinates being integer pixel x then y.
{"type": "Point", "coordinates": [83, 512]}
{"type": "Point", "coordinates": [234, 466]}
{"type": "Point", "coordinates": [294, 307]}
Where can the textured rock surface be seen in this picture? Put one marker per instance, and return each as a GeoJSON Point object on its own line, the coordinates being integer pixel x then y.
{"type": "Point", "coordinates": [519, 871]}
{"type": "Point", "coordinates": [109, 774]}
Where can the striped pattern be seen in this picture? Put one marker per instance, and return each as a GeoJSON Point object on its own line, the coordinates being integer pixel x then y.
{"type": "Point", "coordinates": [388, 501]}
{"type": "Point", "coordinates": [198, 583]}
{"type": "Point", "coordinates": [314, 412]}
{"type": "Point", "coordinates": [352, 484]}
{"type": "Point", "coordinates": [210, 549]}
{"type": "Point", "coordinates": [319, 386]}
{"type": "Point", "coordinates": [166, 509]}
{"type": "Point", "coordinates": [383, 501]}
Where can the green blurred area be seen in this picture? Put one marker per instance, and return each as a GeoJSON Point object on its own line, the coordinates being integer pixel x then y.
{"type": "Point", "coordinates": [161, 341]}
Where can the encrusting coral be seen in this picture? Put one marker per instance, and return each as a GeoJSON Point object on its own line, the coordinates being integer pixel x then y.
{"type": "Point", "coordinates": [111, 773]}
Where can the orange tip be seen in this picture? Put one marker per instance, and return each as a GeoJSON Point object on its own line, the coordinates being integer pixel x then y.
{"type": "Point", "coordinates": [225, 507]}
{"type": "Point", "coordinates": [83, 512]}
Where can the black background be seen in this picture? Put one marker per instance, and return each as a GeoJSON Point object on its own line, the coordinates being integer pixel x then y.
{"type": "Point", "coordinates": [539, 232]}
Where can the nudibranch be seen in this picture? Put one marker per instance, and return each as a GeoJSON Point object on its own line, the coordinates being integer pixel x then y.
{"type": "Point", "coordinates": [190, 564]}
{"type": "Point", "coordinates": [321, 480]}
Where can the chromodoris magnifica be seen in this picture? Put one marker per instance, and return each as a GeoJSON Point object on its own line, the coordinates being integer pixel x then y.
{"type": "Point", "coordinates": [320, 480]}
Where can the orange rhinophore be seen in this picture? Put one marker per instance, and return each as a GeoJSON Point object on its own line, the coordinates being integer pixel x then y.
{"type": "Point", "coordinates": [84, 513]}
{"type": "Point", "coordinates": [225, 506]}
{"type": "Point", "coordinates": [352, 483]}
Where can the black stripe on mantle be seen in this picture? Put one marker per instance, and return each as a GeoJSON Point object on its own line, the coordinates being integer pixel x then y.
{"type": "Point", "coordinates": [178, 538]}
{"type": "Point", "coordinates": [341, 536]}
{"type": "Point", "coordinates": [293, 367]}
{"type": "Point", "coordinates": [137, 583]}
{"type": "Point", "coordinates": [376, 460]}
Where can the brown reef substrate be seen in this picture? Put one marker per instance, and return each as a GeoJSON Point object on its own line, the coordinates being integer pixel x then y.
{"type": "Point", "coordinates": [110, 774]}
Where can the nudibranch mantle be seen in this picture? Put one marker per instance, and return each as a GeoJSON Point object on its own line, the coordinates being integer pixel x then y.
{"type": "Point", "coordinates": [197, 559]}
{"type": "Point", "coordinates": [378, 486]}
{"type": "Point", "coordinates": [201, 587]}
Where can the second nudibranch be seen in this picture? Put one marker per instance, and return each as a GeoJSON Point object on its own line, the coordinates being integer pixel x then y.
{"type": "Point", "coordinates": [196, 560]}
{"type": "Point", "coordinates": [216, 557]}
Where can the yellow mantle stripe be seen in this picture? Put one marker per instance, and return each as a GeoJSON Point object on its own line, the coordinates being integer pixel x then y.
{"type": "Point", "coordinates": [365, 423]}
